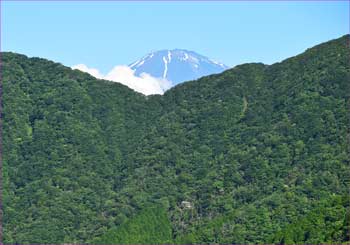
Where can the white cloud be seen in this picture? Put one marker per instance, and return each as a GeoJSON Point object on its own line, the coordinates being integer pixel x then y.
{"type": "Point", "coordinates": [144, 83]}
{"type": "Point", "coordinates": [92, 71]}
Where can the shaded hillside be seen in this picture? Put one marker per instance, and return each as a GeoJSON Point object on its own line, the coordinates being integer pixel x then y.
{"type": "Point", "coordinates": [256, 154]}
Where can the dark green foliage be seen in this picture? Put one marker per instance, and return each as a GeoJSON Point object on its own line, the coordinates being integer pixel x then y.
{"type": "Point", "coordinates": [325, 223]}
{"type": "Point", "coordinates": [257, 154]}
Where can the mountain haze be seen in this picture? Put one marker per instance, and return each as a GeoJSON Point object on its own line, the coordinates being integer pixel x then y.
{"type": "Point", "coordinates": [256, 154]}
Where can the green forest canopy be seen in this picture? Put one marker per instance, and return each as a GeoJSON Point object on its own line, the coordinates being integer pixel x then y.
{"type": "Point", "coordinates": [256, 154]}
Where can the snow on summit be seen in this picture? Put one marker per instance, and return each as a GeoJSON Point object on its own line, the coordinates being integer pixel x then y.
{"type": "Point", "coordinates": [177, 65]}
{"type": "Point", "coordinates": [158, 71]}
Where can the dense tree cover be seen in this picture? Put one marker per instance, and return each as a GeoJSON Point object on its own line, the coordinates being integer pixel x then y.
{"type": "Point", "coordinates": [151, 226]}
{"type": "Point", "coordinates": [257, 154]}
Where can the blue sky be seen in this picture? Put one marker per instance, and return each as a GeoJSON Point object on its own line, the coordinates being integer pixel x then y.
{"type": "Point", "coordinates": [105, 34]}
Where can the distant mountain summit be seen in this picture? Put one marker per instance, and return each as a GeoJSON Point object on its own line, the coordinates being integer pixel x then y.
{"type": "Point", "coordinates": [177, 65]}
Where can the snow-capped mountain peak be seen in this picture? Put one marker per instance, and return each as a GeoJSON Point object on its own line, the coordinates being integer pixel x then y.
{"type": "Point", "coordinates": [177, 65]}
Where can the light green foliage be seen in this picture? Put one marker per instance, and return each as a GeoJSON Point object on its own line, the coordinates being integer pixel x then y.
{"type": "Point", "coordinates": [151, 226]}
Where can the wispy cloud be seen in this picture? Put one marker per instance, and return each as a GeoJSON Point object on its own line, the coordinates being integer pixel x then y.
{"type": "Point", "coordinates": [144, 83]}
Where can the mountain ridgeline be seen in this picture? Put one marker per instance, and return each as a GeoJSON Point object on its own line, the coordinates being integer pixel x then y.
{"type": "Point", "coordinates": [256, 154]}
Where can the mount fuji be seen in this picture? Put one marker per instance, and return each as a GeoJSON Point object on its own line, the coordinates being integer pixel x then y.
{"type": "Point", "coordinates": [177, 65]}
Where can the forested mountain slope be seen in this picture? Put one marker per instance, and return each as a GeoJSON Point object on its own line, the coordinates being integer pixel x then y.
{"type": "Point", "coordinates": [256, 154]}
